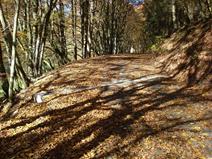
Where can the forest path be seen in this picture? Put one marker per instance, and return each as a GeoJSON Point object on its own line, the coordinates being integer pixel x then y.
{"type": "Point", "coordinates": [109, 107]}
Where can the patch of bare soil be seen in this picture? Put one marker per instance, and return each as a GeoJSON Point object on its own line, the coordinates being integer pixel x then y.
{"type": "Point", "coordinates": [155, 117]}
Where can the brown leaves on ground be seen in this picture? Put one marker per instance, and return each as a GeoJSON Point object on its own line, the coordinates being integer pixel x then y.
{"type": "Point", "coordinates": [154, 119]}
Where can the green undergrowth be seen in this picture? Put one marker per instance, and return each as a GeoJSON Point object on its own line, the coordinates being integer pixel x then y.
{"type": "Point", "coordinates": [156, 46]}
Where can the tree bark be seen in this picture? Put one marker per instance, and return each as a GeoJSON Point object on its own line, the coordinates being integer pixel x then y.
{"type": "Point", "coordinates": [41, 33]}
{"type": "Point", "coordinates": [13, 54]}
{"type": "Point", "coordinates": [174, 14]}
{"type": "Point", "coordinates": [3, 75]}
{"type": "Point", "coordinates": [6, 30]}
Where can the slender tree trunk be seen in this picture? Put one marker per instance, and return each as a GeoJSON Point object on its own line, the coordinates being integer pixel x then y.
{"type": "Point", "coordinates": [74, 25]}
{"type": "Point", "coordinates": [174, 14]}
{"type": "Point", "coordinates": [112, 29]}
{"type": "Point", "coordinates": [13, 54]}
{"type": "Point", "coordinates": [41, 38]}
{"type": "Point", "coordinates": [86, 27]}
{"type": "Point", "coordinates": [3, 75]}
{"type": "Point", "coordinates": [29, 31]}
{"type": "Point", "coordinates": [82, 3]}
{"type": "Point", "coordinates": [7, 36]}
{"type": "Point", "coordinates": [6, 31]}
{"type": "Point", "coordinates": [209, 7]}
{"type": "Point", "coordinates": [62, 33]}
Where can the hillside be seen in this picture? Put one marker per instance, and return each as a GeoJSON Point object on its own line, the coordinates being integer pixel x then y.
{"type": "Point", "coordinates": [108, 107]}
{"type": "Point", "coordinates": [189, 53]}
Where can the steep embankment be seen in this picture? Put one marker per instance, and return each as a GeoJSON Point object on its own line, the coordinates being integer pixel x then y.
{"type": "Point", "coordinates": [190, 53]}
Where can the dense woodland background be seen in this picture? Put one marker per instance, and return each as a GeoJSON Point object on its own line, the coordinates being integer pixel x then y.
{"type": "Point", "coordinates": [38, 36]}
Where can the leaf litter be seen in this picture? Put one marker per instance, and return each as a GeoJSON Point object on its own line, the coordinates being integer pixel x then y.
{"type": "Point", "coordinates": [148, 119]}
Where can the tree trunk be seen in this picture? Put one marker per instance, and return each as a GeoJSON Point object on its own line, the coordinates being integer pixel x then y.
{"type": "Point", "coordinates": [62, 37]}
{"type": "Point", "coordinates": [174, 14]}
{"type": "Point", "coordinates": [13, 54]}
{"type": "Point", "coordinates": [3, 75]}
{"type": "Point", "coordinates": [41, 39]}
{"type": "Point", "coordinates": [74, 26]}
{"type": "Point", "coordinates": [6, 31]}
{"type": "Point", "coordinates": [82, 3]}
{"type": "Point", "coordinates": [209, 7]}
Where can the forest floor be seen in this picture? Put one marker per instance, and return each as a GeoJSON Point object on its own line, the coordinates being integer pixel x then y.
{"type": "Point", "coordinates": [109, 107]}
